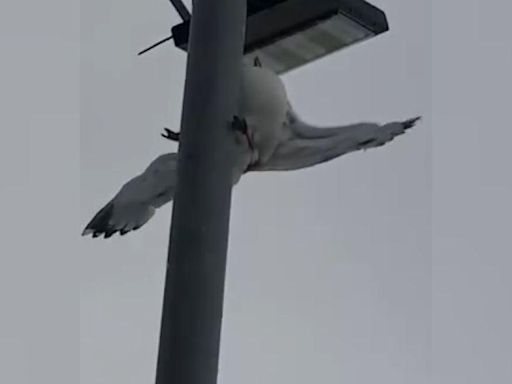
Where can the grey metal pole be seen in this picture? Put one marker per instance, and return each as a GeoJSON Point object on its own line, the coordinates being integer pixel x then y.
{"type": "Point", "coordinates": [194, 290]}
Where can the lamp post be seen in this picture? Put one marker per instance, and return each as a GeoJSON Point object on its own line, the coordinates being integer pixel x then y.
{"type": "Point", "coordinates": [194, 287]}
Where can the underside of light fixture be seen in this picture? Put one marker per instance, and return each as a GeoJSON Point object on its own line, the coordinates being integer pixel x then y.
{"type": "Point", "coordinates": [287, 34]}
{"type": "Point", "coordinates": [313, 43]}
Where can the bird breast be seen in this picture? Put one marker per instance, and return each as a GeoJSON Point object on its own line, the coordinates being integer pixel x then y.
{"type": "Point", "coordinates": [263, 104]}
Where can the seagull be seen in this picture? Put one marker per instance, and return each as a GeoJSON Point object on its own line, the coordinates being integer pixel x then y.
{"type": "Point", "coordinates": [269, 136]}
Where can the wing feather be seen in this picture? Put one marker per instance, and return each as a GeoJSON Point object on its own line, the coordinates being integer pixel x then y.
{"type": "Point", "coordinates": [307, 145]}
{"type": "Point", "coordinates": [136, 202]}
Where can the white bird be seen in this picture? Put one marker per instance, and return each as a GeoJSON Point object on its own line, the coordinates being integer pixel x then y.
{"type": "Point", "coordinates": [271, 137]}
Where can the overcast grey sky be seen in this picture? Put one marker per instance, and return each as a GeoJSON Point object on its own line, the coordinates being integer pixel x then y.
{"type": "Point", "coordinates": [389, 265]}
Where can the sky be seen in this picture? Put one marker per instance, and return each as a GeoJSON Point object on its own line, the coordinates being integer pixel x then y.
{"type": "Point", "coordinates": [388, 265]}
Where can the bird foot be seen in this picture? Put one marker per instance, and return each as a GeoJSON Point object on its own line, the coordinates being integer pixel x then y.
{"type": "Point", "coordinates": [171, 135]}
{"type": "Point", "coordinates": [240, 125]}
{"type": "Point", "coordinates": [257, 62]}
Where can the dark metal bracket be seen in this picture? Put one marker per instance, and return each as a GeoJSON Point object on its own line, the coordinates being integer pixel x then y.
{"type": "Point", "coordinates": [185, 16]}
{"type": "Point", "coordinates": [181, 9]}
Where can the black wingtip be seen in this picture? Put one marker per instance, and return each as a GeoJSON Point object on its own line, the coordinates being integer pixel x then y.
{"type": "Point", "coordinates": [408, 124]}
{"type": "Point", "coordinates": [110, 233]}
{"type": "Point", "coordinates": [99, 224]}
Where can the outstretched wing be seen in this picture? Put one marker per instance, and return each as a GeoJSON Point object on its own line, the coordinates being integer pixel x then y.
{"type": "Point", "coordinates": [306, 145]}
{"type": "Point", "coordinates": [137, 200]}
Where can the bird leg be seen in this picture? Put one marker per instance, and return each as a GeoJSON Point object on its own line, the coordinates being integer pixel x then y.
{"type": "Point", "coordinates": [239, 124]}
{"type": "Point", "coordinates": [171, 135]}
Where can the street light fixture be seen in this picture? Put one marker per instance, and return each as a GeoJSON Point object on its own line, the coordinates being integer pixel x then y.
{"type": "Point", "coordinates": [287, 34]}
